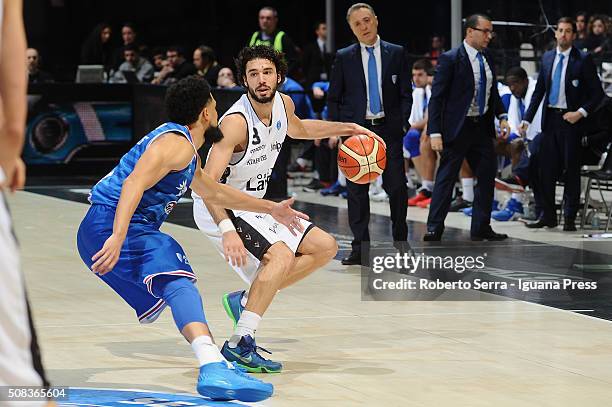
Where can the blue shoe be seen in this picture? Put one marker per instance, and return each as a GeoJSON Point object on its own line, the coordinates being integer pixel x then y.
{"type": "Point", "coordinates": [494, 207]}
{"type": "Point", "coordinates": [220, 382]}
{"type": "Point", "coordinates": [232, 305]}
{"type": "Point", "coordinates": [245, 355]}
{"type": "Point", "coordinates": [344, 194]}
{"type": "Point", "coordinates": [512, 211]}
{"type": "Point", "coordinates": [335, 190]}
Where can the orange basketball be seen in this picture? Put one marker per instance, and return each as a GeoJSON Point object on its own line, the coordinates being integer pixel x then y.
{"type": "Point", "coordinates": [362, 159]}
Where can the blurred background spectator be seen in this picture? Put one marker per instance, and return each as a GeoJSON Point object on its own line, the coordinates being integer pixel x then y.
{"type": "Point", "coordinates": [133, 62]}
{"type": "Point", "coordinates": [35, 74]}
{"type": "Point", "coordinates": [205, 62]}
{"type": "Point", "coordinates": [97, 48]}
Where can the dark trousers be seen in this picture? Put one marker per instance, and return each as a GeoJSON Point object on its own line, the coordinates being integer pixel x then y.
{"type": "Point", "coordinates": [559, 160]}
{"type": "Point", "coordinates": [326, 162]}
{"type": "Point", "coordinates": [474, 144]}
{"type": "Point", "coordinates": [394, 184]}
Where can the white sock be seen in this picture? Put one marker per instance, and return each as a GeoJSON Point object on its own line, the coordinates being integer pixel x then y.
{"type": "Point", "coordinates": [428, 185]}
{"type": "Point", "coordinates": [206, 351]}
{"type": "Point", "coordinates": [409, 182]}
{"type": "Point", "coordinates": [468, 189]}
{"type": "Point", "coordinates": [247, 325]}
{"type": "Point", "coordinates": [244, 299]}
{"type": "Point", "coordinates": [341, 179]}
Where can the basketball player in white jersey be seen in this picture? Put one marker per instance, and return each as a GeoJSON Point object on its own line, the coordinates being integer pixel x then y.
{"type": "Point", "coordinates": [264, 253]}
{"type": "Point", "coordinates": [20, 363]}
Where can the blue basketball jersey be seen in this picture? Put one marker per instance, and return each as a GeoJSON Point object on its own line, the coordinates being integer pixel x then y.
{"type": "Point", "coordinates": [158, 201]}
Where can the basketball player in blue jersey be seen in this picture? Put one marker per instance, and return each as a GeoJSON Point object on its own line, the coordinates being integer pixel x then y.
{"type": "Point", "coordinates": [264, 253]}
{"type": "Point", "coordinates": [120, 240]}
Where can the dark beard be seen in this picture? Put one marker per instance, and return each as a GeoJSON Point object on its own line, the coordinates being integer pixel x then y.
{"type": "Point", "coordinates": [213, 134]}
{"type": "Point", "coordinates": [262, 100]}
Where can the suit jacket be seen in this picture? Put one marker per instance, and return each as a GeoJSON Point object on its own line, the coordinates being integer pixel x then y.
{"type": "Point", "coordinates": [582, 86]}
{"type": "Point", "coordinates": [314, 63]}
{"type": "Point", "coordinates": [452, 93]}
{"type": "Point", "coordinates": [347, 97]}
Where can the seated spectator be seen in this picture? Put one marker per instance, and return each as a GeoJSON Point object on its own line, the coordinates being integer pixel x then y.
{"type": "Point", "coordinates": [437, 49]}
{"type": "Point", "coordinates": [597, 34]}
{"type": "Point", "coordinates": [97, 49]}
{"type": "Point", "coordinates": [582, 17]}
{"type": "Point", "coordinates": [133, 62]}
{"type": "Point", "coordinates": [35, 74]}
{"type": "Point", "coordinates": [129, 36]}
{"type": "Point", "coordinates": [225, 79]}
{"type": "Point", "coordinates": [178, 67]}
{"type": "Point", "coordinates": [205, 61]}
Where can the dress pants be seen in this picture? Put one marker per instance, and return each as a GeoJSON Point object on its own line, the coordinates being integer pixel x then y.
{"type": "Point", "coordinates": [560, 160]}
{"type": "Point", "coordinates": [474, 144]}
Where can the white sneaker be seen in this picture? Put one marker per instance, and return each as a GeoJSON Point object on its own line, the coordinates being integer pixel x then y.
{"type": "Point", "coordinates": [379, 197]}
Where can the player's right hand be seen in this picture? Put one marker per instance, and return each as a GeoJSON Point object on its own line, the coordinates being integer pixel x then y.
{"type": "Point", "coordinates": [107, 257]}
{"type": "Point", "coordinates": [284, 214]}
{"type": "Point", "coordinates": [233, 249]}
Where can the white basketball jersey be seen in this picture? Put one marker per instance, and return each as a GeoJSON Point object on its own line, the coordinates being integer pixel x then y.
{"type": "Point", "coordinates": [250, 170]}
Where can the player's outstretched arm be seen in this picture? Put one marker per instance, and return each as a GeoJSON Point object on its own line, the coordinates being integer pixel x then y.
{"type": "Point", "coordinates": [168, 153]}
{"type": "Point", "coordinates": [318, 129]}
{"type": "Point", "coordinates": [13, 88]}
{"type": "Point", "coordinates": [231, 198]}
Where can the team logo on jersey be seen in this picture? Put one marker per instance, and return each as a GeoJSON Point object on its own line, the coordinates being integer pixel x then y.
{"type": "Point", "coordinates": [169, 206]}
{"type": "Point", "coordinates": [258, 183]}
{"type": "Point", "coordinates": [181, 257]}
{"type": "Point", "coordinates": [182, 187]}
{"type": "Point", "coordinates": [257, 160]}
{"type": "Point", "coordinates": [274, 228]}
{"type": "Point", "coordinates": [278, 125]}
{"type": "Point", "coordinates": [276, 146]}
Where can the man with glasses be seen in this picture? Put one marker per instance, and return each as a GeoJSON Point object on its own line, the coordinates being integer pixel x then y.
{"type": "Point", "coordinates": [464, 103]}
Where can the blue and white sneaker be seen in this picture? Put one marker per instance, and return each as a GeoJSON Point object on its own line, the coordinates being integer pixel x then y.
{"type": "Point", "coordinates": [494, 207]}
{"type": "Point", "coordinates": [219, 381]}
{"type": "Point", "coordinates": [245, 355]}
{"type": "Point", "coordinates": [233, 307]}
{"type": "Point", "coordinates": [512, 211]}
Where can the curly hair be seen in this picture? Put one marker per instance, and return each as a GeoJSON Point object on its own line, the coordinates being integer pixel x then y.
{"type": "Point", "coordinates": [248, 54]}
{"type": "Point", "coordinates": [186, 99]}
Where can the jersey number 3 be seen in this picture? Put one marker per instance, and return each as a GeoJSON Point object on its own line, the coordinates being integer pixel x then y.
{"type": "Point", "coordinates": [256, 138]}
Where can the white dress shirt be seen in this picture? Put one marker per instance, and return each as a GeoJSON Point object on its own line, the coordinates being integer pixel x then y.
{"type": "Point", "coordinates": [365, 56]}
{"type": "Point", "coordinates": [472, 55]}
{"type": "Point", "coordinates": [562, 101]}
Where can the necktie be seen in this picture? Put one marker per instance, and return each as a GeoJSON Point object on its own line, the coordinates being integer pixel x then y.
{"type": "Point", "coordinates": [521, 109]}
{"type": "Point", "coordinates": [424, 102]}
{"type": "Point", "coordinates": [553, 97]}
{"type": "Point", "coordinates": [373, 82]}
{"type": "Point", "coordinates": [482, 85]}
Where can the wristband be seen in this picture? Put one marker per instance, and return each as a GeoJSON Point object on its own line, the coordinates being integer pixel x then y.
{"type": "Point", "coordinates": [226, 225]}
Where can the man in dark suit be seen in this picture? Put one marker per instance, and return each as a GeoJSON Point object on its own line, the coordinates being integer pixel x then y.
{"type": "Point", "coordinates": [464, 103]}
{"type": "Point", "coordinates": [571, 90]}
{"type": "Point", "coordinates": [370, 86]}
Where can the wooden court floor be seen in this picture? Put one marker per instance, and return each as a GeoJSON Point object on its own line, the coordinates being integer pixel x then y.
{"type": "Point", "coordinates": [337, 350]}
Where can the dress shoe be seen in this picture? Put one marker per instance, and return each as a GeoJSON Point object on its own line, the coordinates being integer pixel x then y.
{"type": "Point", "coordinates": [489, 235]}
{"type": "Point", "coordinates": [569, 225]}
{"type": "Point", "coordinates": [540, 223]}
{"type": "Point", "coordinates": [352, 259]}
{"type": "Point", "coordinates": [433, 236]}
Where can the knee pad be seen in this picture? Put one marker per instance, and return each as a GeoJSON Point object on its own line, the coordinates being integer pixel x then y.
{"type": "Point", "coordinates": [412, 142]}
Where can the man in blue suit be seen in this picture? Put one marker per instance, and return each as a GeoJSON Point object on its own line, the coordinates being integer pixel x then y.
{"type": "Point", "coordinates": [571, 90]}
{"type": "Point", "coordinates": [464, 103]}
{"type": "Point", "coordinates": [370, 85]}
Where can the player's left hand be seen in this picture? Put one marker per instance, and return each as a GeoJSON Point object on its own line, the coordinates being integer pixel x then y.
{"type": "Point", "coordinates": [107, 257]}
{"type": "Point", "coordinates": [572, 117]}
{"type": "Point", "coordinates": [286, 215]}
{"type": "Point", "coordinates": [504, 129]}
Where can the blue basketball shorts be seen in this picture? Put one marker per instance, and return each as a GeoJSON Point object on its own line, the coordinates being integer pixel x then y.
{"type": "Point", "coordinates": [147, 252]}
{"type": "Point", "coordinates": [412, 143]}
